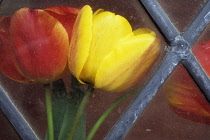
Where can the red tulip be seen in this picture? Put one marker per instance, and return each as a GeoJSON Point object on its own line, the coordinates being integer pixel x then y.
{"type": "Point", "coordinates": [182, 93]}
{"type": "Point", "coordinates": [34, 44]}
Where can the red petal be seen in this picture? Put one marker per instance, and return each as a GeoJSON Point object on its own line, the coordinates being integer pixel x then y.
{"type": "Point", "coordinates": [63, 10]}
{"type": "Point", "coordinates": [185, 98]}
{"type": "Point", "coordinates": [40, 44]}
{"type": "Point", "coordinates": [202, 53]}
{"type": "Point", "coordinates": [7, 65]}
{"type": "Point", "coordinates": [66, 15]}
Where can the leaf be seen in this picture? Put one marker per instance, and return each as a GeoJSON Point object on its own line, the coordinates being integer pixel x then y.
{"type": "Point", "coordinates": [76, 95]}
{"type": "Point", "coordinates": [65, 108]}
{"type": "Point", "coordinates": [59, 103]}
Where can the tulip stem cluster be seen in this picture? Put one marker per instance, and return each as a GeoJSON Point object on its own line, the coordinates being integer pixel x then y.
{"type": "Point", "coordinates": [80, 111]}
{"type": "Point", "coordinates": [48, 99]}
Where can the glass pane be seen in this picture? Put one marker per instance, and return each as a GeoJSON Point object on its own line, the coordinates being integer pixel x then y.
{"type": "Point", "coordinates": [30, 99]}
{"type": "Point", "coordinates": [204, 37]}
{"type": "Point", "coordinates": [181, 14]}
{"type": "Point", "coordinates": [201, 49]}
{"type": "Point", "coordinates": [8, 132]}
{"type": "Point", "coordinates": [159, 120]}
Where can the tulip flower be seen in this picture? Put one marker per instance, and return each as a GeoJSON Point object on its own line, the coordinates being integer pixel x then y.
{"type": "Point", "coordinates": [106, 53]}
{"type": "Point", "coordinates": [34, 44]}
{"type": "Point", "coordinates": [183, 95]}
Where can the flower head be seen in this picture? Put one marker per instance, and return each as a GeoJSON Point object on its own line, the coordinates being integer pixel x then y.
{"type": "Point", "coordinates": [34, 44]}
{"type": "Point", "coordinates": [105, 52]}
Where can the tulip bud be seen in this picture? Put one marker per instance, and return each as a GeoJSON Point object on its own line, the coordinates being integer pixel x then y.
{"type": "Point", "coordinates": [182, 93]}
{"type": "Point", "coordinates": [34, 44]}
{"type": "Point", "coordinates": [105, 52]}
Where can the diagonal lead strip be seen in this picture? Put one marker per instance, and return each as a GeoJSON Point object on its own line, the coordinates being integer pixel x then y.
{"type": "Point", "coordinates": [15, 117]}
{"type": "Point", "coordinates": [179, 51]}
{"type": "Point", "coordinates": [190, 36]}
{"type": "Point", "coordinates": [161, 19]}
{"type": "Point", "coordinates": [129, 117]}
{"type": "Point", "coordinates": [198, 74]}
{"type": "Point", "coordinates": [198, 25]}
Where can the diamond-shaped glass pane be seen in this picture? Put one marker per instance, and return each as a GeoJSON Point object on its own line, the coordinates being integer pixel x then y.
{"type": "Point", "coordinates": [30, 100]}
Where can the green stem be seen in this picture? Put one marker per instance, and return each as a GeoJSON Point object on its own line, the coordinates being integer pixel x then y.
{"type": "Point", "coordinates": [48, 99]}
{"type": "Point", "coordinates": [80, 112]}
{"type": "Point", "coordinates": [108, 111]}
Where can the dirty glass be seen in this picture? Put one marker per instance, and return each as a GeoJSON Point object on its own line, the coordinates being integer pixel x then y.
{"type": "Point", "coordinates": [157, 120]}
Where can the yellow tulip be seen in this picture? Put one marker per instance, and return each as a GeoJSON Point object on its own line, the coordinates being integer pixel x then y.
{"type": "Point", "coordinates": [105, 52]}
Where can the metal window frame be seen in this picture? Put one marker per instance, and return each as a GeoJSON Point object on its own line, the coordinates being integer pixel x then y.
{"type": "Point", "coordinates": [180, 53]}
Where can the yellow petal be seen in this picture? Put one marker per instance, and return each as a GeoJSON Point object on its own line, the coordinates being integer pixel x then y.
{"type": "Point", "coordinates": [127, 63]}
{"type": "Point", "coordinates": [108, 31]}
{"type": "Point", "coordinates": [81, 39]}
{"type": "Point", "coordinates": [143, 31]}
{"type": "Point", "coordinates": [97, 12]}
